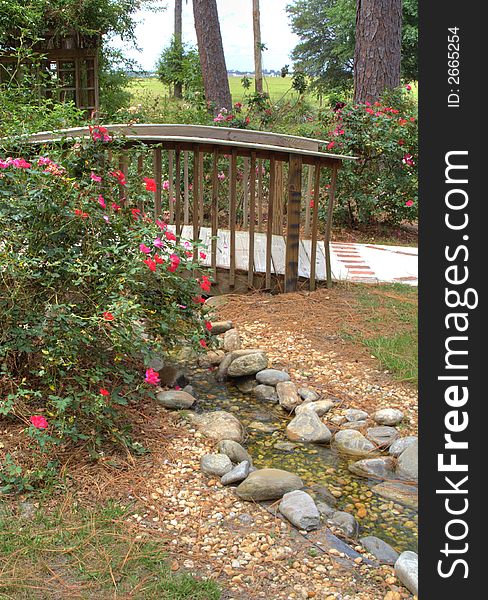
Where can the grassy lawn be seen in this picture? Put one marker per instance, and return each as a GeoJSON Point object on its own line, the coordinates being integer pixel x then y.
{"type": "Point", "coordinates": [275, 86]}
{"type": "Point", "coordinates": [388, 327]}
{"type": "Point", "coordinates": [71, 553]}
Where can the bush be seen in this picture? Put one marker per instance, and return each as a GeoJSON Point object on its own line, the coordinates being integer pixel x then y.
{"type": "Point", "coordinates": [383, 185]}
{"type": "Point", "coordinates": [91, 290]}
{"type": "Point", "coordinates": [180, 64]}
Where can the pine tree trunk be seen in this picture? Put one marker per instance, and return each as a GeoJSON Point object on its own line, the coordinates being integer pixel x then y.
{"type": "Point", "coordinates": [377, 54]}
{"type": "Point", "coordinates": [258, 67]}
{"type": "Point", "coordinates": [178, 89]}
{"type": "Point", "coordinates": [211, 51]}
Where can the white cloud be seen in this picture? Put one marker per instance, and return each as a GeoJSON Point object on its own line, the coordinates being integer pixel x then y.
{"type": "Point", "coordinates": [155, 30]}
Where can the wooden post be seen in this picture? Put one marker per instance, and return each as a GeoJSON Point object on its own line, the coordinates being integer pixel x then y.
{"type": "Point", "coordinates": [293, 227]}
{"type": "Point", "coordinates": [178, 191]}
{"type": "Point", "coordinates": [232, 217]}
{"type": "Point", "coordinates": [315, 220]}
{"type": "Point", "coordinates": [157, 176]}
{"type": "Point", "coordinates": [252, 219]}
{"type": "Point", "coordinates": [186, 190]}
{"type": "Point", "coordinates": [196, 199]}
{"type": "Point", "coordinates": [215, 208]}
{"type": "Point", "coordinates": [328, 226]}
{"type": "Point", "coordinates": [269, 232]}
{"type": "Point", "coordinates": [171, 189]}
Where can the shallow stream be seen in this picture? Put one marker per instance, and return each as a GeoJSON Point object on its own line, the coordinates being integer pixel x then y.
{"type": "Point", "coordinates": [315, 464]}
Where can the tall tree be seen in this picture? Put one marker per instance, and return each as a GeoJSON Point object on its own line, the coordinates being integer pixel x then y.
{"type": "Point", "coordinates": [178, 87]}
{"type": "Point", "coordinates": [258, 65]}
{"type": "Point", "coordinates": [377, 55]}
{"type": "Point", "coordinates": [211, 50]}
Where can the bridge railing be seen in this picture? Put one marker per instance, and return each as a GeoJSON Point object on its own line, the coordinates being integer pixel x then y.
{"type": "Point", "coordinates": [232, 180]}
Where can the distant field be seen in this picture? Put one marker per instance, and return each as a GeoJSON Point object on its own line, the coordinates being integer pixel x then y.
{"type": "Point", "coordinates": [275, 86]}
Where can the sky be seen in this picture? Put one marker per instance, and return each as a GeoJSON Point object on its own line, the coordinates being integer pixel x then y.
{"type": "Point", "coordinates": [155, 31]}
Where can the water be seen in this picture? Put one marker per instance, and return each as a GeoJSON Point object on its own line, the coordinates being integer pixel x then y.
{"type": "Point", "coordinates": [315, 464]}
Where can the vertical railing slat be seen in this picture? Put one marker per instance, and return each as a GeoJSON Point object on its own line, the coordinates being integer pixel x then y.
{"type": "Point", "coordinates": [252, 220]}
{"type": "Point", "coordinates": [214, 209]}
{"type": "Point", "coordinates": [307, 201]}
{"type": "Point", "coordinates": [201, 183]}
{"type": "Point", "coordinates": [232, 217]}
{"type": "Point", "coordinates": [245, 192]}
{"type": "Point", "coordinates": [196, 199]}
{"type": "Point", "coordinates": [158, 177]}
{"type": "Point", "coordinates": [315, 221]}
{"type": "Point", "coordinates": [171, 185]}
{"type": "Point", "coordinates": [293, 225]}
{"type": "Point", "coordinates": [178, 191]}
{"type": "Point", "coordinates": [269, 233]}
{"type": "Point", "coordinates": [260, 195]}
{"type": "Point", "coordinates": [186, 190]}
{"type": "Point", "coordinates": [328, 226]}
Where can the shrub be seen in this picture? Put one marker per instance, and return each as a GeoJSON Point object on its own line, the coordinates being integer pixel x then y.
{"type": "Point", "coordinates": [91, 289]}
{"type": "Point", "coordinates": [383, 185]}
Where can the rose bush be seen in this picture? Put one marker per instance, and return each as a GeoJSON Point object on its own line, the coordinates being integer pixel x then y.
{"type": "Point", "coordinates": [91, 289]}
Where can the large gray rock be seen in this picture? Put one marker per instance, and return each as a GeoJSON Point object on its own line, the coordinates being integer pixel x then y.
{"type": "Point", "coordinates": [224, 365]}
{"type": "Point", "coordinates": [272, 376]}
{"type": "Point", "coordinates": [268, 484]}
{"type": "Point", "coordinates": [308, 395]}
{"type": "Point", "coordinates": [388, 416]}
{"type": "Point", "coordinates": [408, 462]}
{"type": "Point", "coordinates": [353, 425]}
{"type": "Point", "coordinates": [346, 522]}
{"type": "Point", "coordinates": [401, 444]}
{"type": "Point", "coordinates": [234, 451]}
{"type": "Point", "coordinates": [320, 407]}
{"type": "Point", "coordinates": [266, 393]}
{"type": "Point", "coordinates": [353, 442]}
{"type": "Point", "coordinates": [231, 340]}
{"type": "Point", "coordinates": [407, 571]}
{"type": "Point", "coordinates": [238, 473]}
{"type": "Point", "coordinates": [219, 327]}
{"type": "Point", "coordinates": [376, 468]}
{"type": "Point", "coordinates": [354, 414]}
{"type": "Point", "coordinates": [398, 492]}
{"type": "Point", "coordinates": [175, 399]}
{"type": "Point", "coordinates": [307, 427]}
{"type": "Point", "coordinates": [299, 508]}
{"type": "Point", "coordinates": [380, 549]}
{"type": "Point", "coordinates": [382, 436]}
{"type": "Point", "coordinates": [219, 425]}
{"type": "Point", "coordinates": [288, 396]}
{"type": "Point", "coordinates": [247, 365]}
{"type": "Point", "coordinates": [215, 464]}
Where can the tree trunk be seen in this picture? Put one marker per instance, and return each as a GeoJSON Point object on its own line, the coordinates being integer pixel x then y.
{"type": "Point", "coordinates": [211, 51]}
{"type": "Point", "coordinates": [258, 67]}
{"type": "Point", "coordinates": [377, 54]}
{"type": "Point", "coordinates": [178, 88]}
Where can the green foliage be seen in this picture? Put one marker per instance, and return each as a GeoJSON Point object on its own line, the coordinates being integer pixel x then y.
{"type": "Point", "coordinates": [84, 305]}
{"type": "Point", "coordinates": [180, 64]}
{"type": "Point", "coordinates": [327, 37]}
{"type": "Point", "coordinates": [383, 185]}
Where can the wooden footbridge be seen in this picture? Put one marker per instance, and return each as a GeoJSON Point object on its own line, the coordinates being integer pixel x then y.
{"type": "Point", "coordinates": [261, 203]}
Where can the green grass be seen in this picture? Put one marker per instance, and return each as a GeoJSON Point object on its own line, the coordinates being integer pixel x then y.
{"type": "Point", "coordinates": [275, 86]}
{"type": "Point", "coordinates": [87, 554]}
{"type": "Point", "coordinates": [389, 327]}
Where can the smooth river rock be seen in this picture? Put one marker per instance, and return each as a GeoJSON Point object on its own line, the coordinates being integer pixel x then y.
{"type": "Point", "coordinates": [408, 462]}
{"type": "Point", "coordinates": [319, 407]}
{"type": "Point", "coordinates": [211, 358]}
{"type": "Point", "coordinates": [219, 327]}
{"type": "Point", "coordinates": [346, 522]}
{"type": "Point", "coordinates": [231, 356]}
{"type": "Point", "coordinates": [407, 571]}
{"type": "Point", "coordinates": [353, 442]}
{"type": "Point", "coordinates": [231, 340]}
{"type": "Point", "coordinates": [376, 468]}
{"type": "Point", "coordinates": [247, 365]}
{"type": "Point", "coordinates": [288, 396]}
{"type": "Point", "coordinates": [215, 464]}
{"type": "Point", "coordinates": [219, 425]}
{"type": "Point", "coordinates": [388, 416]}
{"type": "Point", "coordinates": [308, 395]}
{"type": "Point", "coordinates": [299, 508]}
{"type": "Point", "coordinates": [266, 393]}
{"type": "Point", "coordinates": [382, 436]}
{"type": "Point", "coordinates": [175, 399]}
{"type": "Point", "coordinates": [307, 427]}
{"type": "Point", "coordinates": [234, 451]}
{"type": "Point", "coordinates": [398, 492]}
{"type": "Point", "coordinates": [354, 414]}
{"type": "Point", "coordinates": [272, 376]}
{"type": "Point", "coordinates": [401, 444]}
{"type": "Point", "coordinates": [380, 549]}
{"type": "Point", "coordinates": [237, 474]}
{"type": "Point", "coordinates": [268, 484]}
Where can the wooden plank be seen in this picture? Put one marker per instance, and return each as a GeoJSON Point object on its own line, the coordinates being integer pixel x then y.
{"type": "Point", "coordinates": [171, 185]}
{"type": "Point", "coordinates": [232, 217]}
{"type": "Point", "coordinates": [178, 191]}
{"type": "Point", "coordinates": [277, 200]}
{"type": "Point", "coordinates": [201, 185]}
{"type": "Point", "coordinates": [260, 195]}
{"type": "Point", "coordinates": [308, 197]}
{"type": "Point", "coordinates": [269, 232]}
{"type": "Point", "coordinates": [252, 221]}
{"type": "Point", "coordinates": [186, 189]}
{"type": "Point", "coordinates": [328, 226]}
{"type": "Point", "coordinates": [293, 227]}
{"type": "Point", "coordinates": [214, 211]}
{"type": "Point", "coordinates": [196, 200]}
{"type": "Point", "coordinates": [124, 168]}
{"type": "Point", "coordinates": [245, 192]}
{"type": "Point", "coordinates": [315, 221]}
{"type": "Point", "coordinates": [158, 177]}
